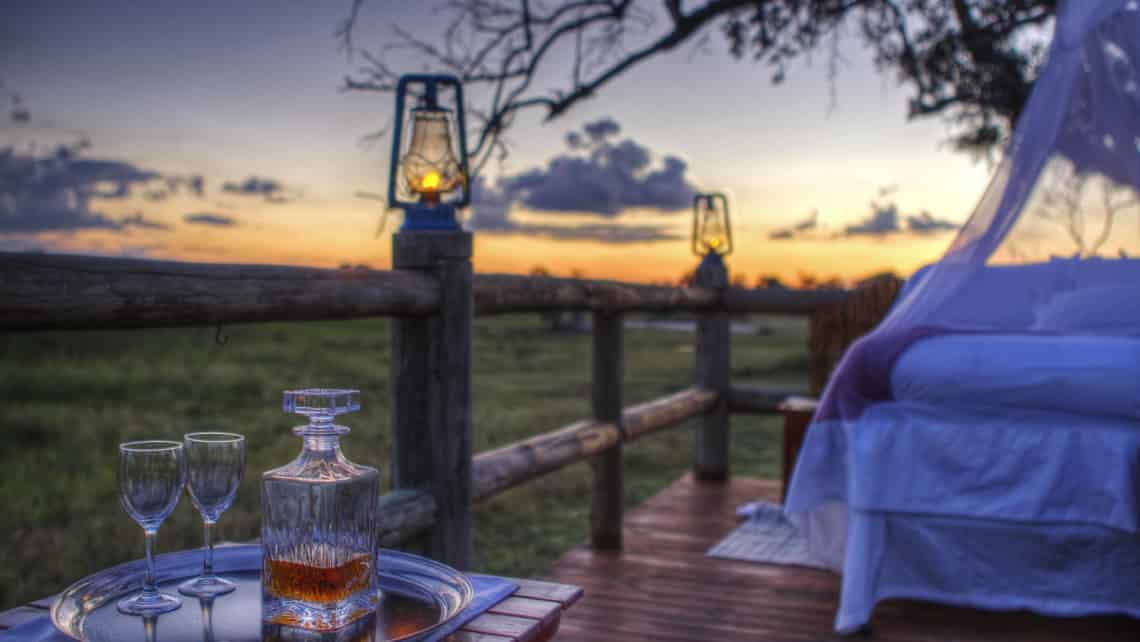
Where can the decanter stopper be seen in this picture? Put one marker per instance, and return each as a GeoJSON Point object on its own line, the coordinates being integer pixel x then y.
{"type": "Point", "coordinates": [321, 406]}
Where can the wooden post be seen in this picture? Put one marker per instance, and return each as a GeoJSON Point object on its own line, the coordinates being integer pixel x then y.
{"type": "Point", "coordinates": [712, 372]}
{"type": "Point", "coordinates": [609, 488]}
{"type": "Point", "coordinates": [431, 386]}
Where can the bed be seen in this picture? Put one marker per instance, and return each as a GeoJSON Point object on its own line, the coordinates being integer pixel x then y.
{"type": "Point", "coordinates": [953, 492]}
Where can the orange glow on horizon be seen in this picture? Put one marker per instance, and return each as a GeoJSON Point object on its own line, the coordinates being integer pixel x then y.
{"type": "Point", "coordinates": [331, 230]}
{"type": "Point", "coordinates": [667, 261]}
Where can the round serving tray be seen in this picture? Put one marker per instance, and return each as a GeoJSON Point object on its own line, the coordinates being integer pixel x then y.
{"type": "Point", "coordinates": [419, 596]}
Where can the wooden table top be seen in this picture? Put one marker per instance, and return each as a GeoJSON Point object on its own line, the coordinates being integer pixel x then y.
{"type": "Point", "coordinates": [531, 614]}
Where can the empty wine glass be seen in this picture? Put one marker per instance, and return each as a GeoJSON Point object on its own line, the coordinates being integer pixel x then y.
{"type": "Point", "coordinates": [151, 477]}
{"type": "Point", "coordinates": [215, 462]}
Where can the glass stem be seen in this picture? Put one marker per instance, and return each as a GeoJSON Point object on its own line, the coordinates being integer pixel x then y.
{"type": "Point", "coordinates": [150, 585]}
{"type": "Point", "coordinates": [208, 559]}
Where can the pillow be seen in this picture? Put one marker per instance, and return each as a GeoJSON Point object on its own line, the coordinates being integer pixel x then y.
{"type": "Point", "coordinates": [1096, 310]}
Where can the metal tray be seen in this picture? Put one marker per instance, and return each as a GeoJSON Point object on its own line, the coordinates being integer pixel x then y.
{"type": "Point", "coordinates": [419, 596]}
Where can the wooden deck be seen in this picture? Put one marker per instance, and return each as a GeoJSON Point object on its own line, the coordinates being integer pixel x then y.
{"type": "Point", "coordinates": [662, 587]}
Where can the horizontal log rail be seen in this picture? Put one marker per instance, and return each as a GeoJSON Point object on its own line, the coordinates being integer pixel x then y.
{"type": "Point", "coordinates": [780, 300]}
{"type": "Point", "coordinates": [509, 293]}
{"type": "Point", "coordinates": [755, 400]}
{"type": "Point", "coordinates": [53, 291]}
{"type": "Point", "coordinates": [509, 466]}
{"type": "Point", "coordinates": [402, 514]}
{"type": "Point", "coordinates": [41, 292]}
{"type": "Point", "coordinates": [405, 513]}
{"type": "Point", "coordinates": [512, 294]}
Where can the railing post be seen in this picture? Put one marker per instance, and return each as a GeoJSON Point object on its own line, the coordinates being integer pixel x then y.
{"type": "Point", "coordinates": [609, 487]}
{"type": "Point", "coordinates": [712, 372]}
{"type": "Point", "coordinates": [431, 391]}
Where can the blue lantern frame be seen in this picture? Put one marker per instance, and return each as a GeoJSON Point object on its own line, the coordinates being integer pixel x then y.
{"type": "Point", "coordinates": [424, 216]}
{"type": "Point", "coordinates": [710, 198]}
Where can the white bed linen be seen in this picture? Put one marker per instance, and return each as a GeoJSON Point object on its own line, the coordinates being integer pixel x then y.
{"type": "Point", "coordinates": [1089, 375]}
{"type": "Point", "coordinates": [993, 507]}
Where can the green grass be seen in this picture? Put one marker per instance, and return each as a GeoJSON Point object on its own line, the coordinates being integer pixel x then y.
{"type": "Point", "coordinates": [71, 397]}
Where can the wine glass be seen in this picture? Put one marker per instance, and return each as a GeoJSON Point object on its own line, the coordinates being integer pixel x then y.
{"type": "Point", "coordinates": [151, 477]}
{"type": "Point", "coordinates": [215, 462]}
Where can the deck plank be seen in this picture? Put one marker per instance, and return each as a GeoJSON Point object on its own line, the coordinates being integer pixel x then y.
{"type": "Point", "coordinates": [518, 628]}
{"type": "Point", "coordinates": [538, 590]}
{"type": "Point", "coordinates": [546, 612]}
{"type": "Point", "coordinates": [662, 587]}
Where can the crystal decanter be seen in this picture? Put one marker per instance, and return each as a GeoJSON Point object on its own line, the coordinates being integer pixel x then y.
{"type": "Point", "coordinates": [318, 523]}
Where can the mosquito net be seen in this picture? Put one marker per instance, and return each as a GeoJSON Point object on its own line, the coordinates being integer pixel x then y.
{"type": "Point", "coordinates": [1053, 247]}
{"type": "Point", "coordinates": [986, 429]}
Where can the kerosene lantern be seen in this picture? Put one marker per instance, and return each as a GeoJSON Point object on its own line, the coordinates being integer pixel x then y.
{"type": "Point", "coordinates": [712, 232]}
{"type": "Point", "coordinates": [428, 177]}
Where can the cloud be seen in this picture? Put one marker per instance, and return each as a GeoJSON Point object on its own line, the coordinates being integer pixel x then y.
{"type": "Point", "coordinates": [925, 222]}
{"type": "Point", "coordinates": [610, 179]}
{"type": "Point", "coordinates": [598, 178]}
{"type": "Point", "coordinates": [490, 207]}
{"type": "Point", "coordinates": [54, 192]}
{"type": "Point", "coordinates": [195, 184]}
{"type": "Point", "coordinates": [491, 214]}
{"type": "Point", "coordinates": [601, 129]}
{"type": "Point", "coordinates": [884, 220]}
{"type": "Point", "coordinates": [272, 190]}
{"type": "Point", "coordinates": [19, 114]}
{"type": "Point", "coordinates": [105, 178]}
{"type": "Point", "coordinates": [138, 220]}
{"type": "Point", "coordinates": [796, 230]}
{"type": "Point", "coordinates": [210, 218]}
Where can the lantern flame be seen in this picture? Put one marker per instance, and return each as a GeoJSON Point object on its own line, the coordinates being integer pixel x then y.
{"type": "Point", "coordinates": [431, 181]}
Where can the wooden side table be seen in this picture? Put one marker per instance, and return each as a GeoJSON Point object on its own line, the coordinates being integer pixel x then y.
{"type": "Point", "coordinates": [797, 412]}
{"type": "Point", "coordinates": [531, 614]}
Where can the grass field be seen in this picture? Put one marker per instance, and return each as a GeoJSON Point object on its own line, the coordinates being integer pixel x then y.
{"type": "Point", "coordinates": [69, 398]}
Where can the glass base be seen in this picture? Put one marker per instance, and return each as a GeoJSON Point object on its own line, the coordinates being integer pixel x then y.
{"type": "Point", "coordinates": [145, 604]}
{"type": "Point", "coordinates": [362, 630]}
{"type": "Point", "coordinates": [206, 586]}
{"type": "Point", "coordinates": [317, 616]}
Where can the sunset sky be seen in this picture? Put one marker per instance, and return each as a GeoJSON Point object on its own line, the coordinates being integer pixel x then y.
{"type": "Point", "coordinates": [247, 97]}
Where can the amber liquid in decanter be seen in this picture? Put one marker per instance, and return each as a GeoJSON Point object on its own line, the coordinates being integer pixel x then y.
{"type": "Point", "coordinates": [301, 581]}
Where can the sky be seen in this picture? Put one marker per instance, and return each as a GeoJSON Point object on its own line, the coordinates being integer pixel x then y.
{"type": "Point", "coordinates": [219, 131]}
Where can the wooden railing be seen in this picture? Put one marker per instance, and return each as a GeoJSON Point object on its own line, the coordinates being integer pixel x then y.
{"type": "Point", "coordinates": [433, 295]}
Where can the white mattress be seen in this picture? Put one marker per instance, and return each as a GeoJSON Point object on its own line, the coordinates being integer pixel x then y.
{"type": "Point", "coordinates": [1081, 374]}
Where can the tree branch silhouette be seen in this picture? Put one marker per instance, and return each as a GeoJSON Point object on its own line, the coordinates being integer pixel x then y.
{"type": "Point", "coordinates": [969, 61]}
